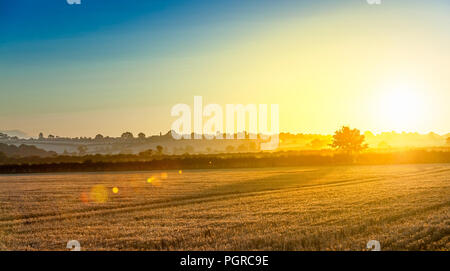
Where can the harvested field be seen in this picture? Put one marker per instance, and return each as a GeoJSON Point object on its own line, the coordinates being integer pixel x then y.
{"type": "Point", "coordinates": [405, 207]}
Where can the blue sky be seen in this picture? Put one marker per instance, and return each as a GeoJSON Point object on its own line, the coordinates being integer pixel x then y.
{"type": "Point", "coordinates": [64, 63]}
{"type": "Point", "coordinates": [50, 43]}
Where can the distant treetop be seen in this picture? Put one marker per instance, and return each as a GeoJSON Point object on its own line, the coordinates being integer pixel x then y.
{"type": "Point", "coordinates": [127, 135]}
{"type": "Point", "coordinates": [141, 136]}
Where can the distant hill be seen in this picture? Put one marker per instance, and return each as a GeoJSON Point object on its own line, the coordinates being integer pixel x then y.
{"type": "Point", "coordinates": [23, 151]}
{"type": "Point", "coordinates": [18, 133]}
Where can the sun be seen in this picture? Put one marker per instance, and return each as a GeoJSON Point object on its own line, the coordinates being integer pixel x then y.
{"type": "Point", "coordinates": [402, 107]}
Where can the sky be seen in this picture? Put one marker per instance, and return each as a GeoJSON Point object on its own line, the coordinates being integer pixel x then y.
{"type": "Point", "coordinates": [113, 66]}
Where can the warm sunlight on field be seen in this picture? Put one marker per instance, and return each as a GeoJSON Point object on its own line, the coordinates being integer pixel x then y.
{"type": "Point", "coordinates": [405, 207]}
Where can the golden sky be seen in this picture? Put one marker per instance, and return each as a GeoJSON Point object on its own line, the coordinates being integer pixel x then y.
{"type": "Point", "coordinates": [377, 68]}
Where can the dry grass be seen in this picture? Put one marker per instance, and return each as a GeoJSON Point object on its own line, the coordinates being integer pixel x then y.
{"type": "Point", "coordinates": [405, 207]}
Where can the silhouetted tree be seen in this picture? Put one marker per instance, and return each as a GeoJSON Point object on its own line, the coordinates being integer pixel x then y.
{"type": "Point", "coordinates": [141, 136]}
{"type": "Point", "coordinates": [348, 140]}
{"type": "Point", "coordinates": [127, 135]}
{"type": "Point", "coordinates": [41, 136]}
{"type": "Point", "coordinates": [99, 137]}
{"type": "Point", "coordinates": [23, 151]}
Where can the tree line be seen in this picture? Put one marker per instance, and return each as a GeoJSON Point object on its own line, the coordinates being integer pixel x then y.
{"type": "Point", "coordinates": [348, 144]}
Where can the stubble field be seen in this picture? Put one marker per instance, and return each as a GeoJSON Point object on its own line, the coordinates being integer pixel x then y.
{"type": "Point", "coordinates": [404, 207]}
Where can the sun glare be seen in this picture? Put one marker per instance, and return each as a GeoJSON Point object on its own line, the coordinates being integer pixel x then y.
{"type": "Point", "coordinates": [402, 107]}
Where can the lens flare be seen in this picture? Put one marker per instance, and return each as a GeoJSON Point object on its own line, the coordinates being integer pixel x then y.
{"type": "Point", "coordinates": [115, 190]}
{"type": "Point", "coordinates": [84, 197]}
{"type": "Point", "coordinates": [154, 181]}
{"type": "Point", "coordinates": [98, 194]}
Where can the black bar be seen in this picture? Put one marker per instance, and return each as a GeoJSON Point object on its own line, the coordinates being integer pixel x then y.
{"type": "Point", "coordinates": [223, 260]}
